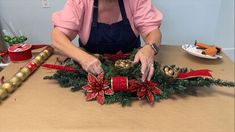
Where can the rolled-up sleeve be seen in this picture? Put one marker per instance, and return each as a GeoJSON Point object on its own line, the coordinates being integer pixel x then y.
{"type": "Point", "coordinates": [146, 17]}
{"type": "Point", "coordinates": [68, 20]}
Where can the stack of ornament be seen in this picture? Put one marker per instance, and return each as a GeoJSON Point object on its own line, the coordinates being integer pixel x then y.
{"type": "Point", "coordinates": [13, 83]}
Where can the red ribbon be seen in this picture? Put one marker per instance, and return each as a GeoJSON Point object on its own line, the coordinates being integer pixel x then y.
{"type": "Point", "coordinates": [195, 73]}
{"type": "Point", "coordinates": [22, 52]}
{"type": "Point", "coordinates": [60, 68]}
{"type": "Point", "coordinates": [119, 83]}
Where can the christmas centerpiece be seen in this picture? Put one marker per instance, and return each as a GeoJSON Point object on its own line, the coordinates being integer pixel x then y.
{"type": "Point", "coordinates": [121, 80]}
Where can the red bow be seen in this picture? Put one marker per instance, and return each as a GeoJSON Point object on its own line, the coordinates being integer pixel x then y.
{"type": "Point", "coordinates": [117, 56]}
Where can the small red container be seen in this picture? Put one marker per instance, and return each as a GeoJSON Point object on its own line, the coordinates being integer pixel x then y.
{"type": "Point", "coordinates": [20, 52]}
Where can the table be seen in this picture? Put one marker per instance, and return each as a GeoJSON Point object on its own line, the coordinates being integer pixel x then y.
{"type": "Point", "coordinates": [42, 105]}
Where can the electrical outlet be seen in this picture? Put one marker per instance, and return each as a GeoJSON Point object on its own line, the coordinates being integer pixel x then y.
{"type": "Point", "coordinates": [45, 4]}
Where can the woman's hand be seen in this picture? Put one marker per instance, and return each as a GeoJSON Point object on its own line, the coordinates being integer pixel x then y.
{"type": "Point", "coordinates": [91, 64]}
{"type": "Point", "coordinates": [146, 56]}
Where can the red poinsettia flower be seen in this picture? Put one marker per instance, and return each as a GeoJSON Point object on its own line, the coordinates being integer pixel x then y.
{"type": "Point", "coordinates": [146, 89]}
{"type": "Point", "coordinates": [97, 87]}
{"type": "Point", "coordinates": [117, 56]}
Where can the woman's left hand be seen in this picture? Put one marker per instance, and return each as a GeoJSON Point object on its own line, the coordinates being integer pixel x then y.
{"type": "Point", "coordinates": [146, 56]}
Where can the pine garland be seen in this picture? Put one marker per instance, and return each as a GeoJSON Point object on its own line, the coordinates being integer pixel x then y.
{"type": "Point", "coordinates": [167, 84]}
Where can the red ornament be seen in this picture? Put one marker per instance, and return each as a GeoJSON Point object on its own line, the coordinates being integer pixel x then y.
{"type": "Point", "coordinates": [117, 56]}
{"type": "Point", "coordinates": [146, 89]}
{"type": "Point", "coordinates": [97, 87]}
{"type": "Point", "coordinates": [119, 83]}
{"type": "Point", "coordinates": [32, 66]}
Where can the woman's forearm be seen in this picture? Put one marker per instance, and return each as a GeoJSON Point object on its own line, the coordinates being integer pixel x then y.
{"type": "Point", "coordinates": [154, 36]}
{"type": "Point", "coordinates": [62, 43]}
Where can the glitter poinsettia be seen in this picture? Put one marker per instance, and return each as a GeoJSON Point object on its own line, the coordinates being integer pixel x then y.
{"type": "Point", "coordinates": [97, 88]}
{"type": "Point", "coordinates": [145, 89]}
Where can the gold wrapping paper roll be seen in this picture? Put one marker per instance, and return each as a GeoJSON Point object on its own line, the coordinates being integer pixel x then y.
{"type": "Point", "coordinates": [24, 72]}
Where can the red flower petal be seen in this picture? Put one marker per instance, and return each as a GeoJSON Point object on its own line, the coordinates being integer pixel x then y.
{"type": "Point", "coordinates": [150, 97]}
{"type": "Point", "coordinates": [91, 96]}
{"type": "Point", "coordinates": [88, 88]}
{"type": "Point", "coordinates": [105, 84]}
{"type": "Point", "coordinates": [141, 93]}
{"type": "Point", "coordinates": [100, 99]}
{"type": "Point", "coordinates": [100, 78]}
{"type": "Point", "coordinates": [108, 91]}
{"type": "Point", "coordinates": [157, 91]}
{"type": "Point", "coordinates": [91, 78]}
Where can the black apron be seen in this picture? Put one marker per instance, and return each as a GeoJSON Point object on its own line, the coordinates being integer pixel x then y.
{"type": "Point", "coordinates": [105, 38]}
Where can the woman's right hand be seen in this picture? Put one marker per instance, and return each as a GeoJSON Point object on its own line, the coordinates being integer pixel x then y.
{"type": "Point", "coordinates": [91, 64]}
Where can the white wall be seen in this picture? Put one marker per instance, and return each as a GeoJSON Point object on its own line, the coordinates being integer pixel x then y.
{"type": "Point", "coordinates": [210, 21]}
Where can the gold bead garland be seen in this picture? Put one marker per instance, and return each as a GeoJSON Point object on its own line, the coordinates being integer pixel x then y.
{"type": "Point", "coordinates": [10, 85]}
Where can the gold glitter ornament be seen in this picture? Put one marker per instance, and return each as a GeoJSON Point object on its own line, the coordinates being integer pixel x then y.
{"type": "Point", "coordinates": [47, 52]}
{"type": "Point", "coordinates": [36, 62]}
{"type": "Point", "coordinates": [3, 93]}
{"type": "Point", "coordinates": [39, 58]}
{"type": "Point", "coordinates": [8, 87]}
{"type": "Point", "coordinates": [25, 71]}
{"type": "Point", "coordinates": [43, 55]}
{"type": "Point", "coordinates": [21, 76]}
{"type": "Point", "coordinates": [123, 64]}
{"type": "Point", "coordinates": [15, 81]}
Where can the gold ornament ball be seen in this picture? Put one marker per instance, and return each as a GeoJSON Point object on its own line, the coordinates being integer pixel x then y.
{"type": "Point", "coordinates": [49, 50]}
{"type": "Point", "coordinates": [43, 55]}
{"type": "Point", "coordinates": [8, 87]}
{"type": "Point", "coordinates": [39, 58]}
{"type": "Point", "coordinates": [3, 93]}
{"type": "Point", "coordinates": [167, 73]}
{"type": "Point", "coordinates": [166, 69]}
{"type": "Point", "coordinates": [25, 71]}
{"type": "Point", "coordinates": [15, 81]}
{"type": "Point", "coordinates": [36, 62]}
{"type": "Point", "coordinates": [171, 72]}
{"type": "Point", "coordinates": [21, 76]}
{"type": "Point", "coordinates": [46, 51]}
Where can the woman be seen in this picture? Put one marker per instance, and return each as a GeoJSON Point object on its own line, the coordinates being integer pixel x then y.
{"type": "Point", "coordinates": [108, 26]}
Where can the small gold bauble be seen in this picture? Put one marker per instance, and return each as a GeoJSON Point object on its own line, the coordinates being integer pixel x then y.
{"type": "Point", "coordinates": [8, 87]}
{"type": "Point", "coordinates": [171, 72]}
{"type": "Point", "coordinates": [166, 69]}
{"type": "Point", "coordinates": [49, 50]}
{"type": "Point", "coordinates": [3, 93]}
{"type": "Point", "coordinates": [46, 51]}
{"type": "Point", "coordinates": [39, 58]}
{"type": "Point", "coordinates": [36, 62]}
{"type": "Point", "coordinates": [15, 81]}
{"type": "Point", "coordinates": [43, 55]}
{"type": "Point", "coordinates": [21, 76]}
{"type": "Point", "coordinates": [25, 71]}
{"type": "Point", "coordinates": [123, 64]}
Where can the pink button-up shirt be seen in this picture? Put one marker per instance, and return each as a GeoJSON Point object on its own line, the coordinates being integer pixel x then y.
{"type": "Point", "coordinates": [76, 17]}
